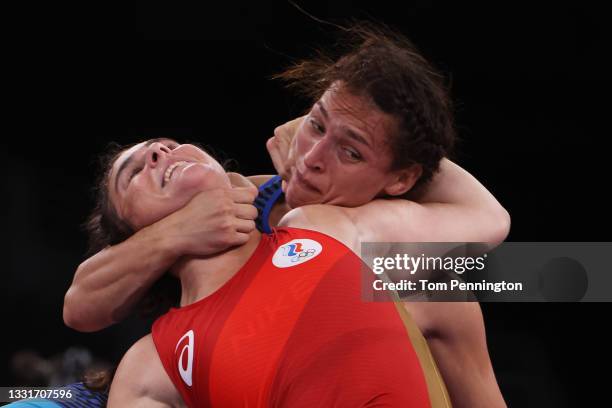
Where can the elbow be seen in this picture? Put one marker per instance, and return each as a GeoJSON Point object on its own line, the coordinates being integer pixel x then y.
{"type": "Point", "coordinates": [74, 314]}
{"type": "Point", "coordinates": [500, 227]}
{"type": "Point", "coordinates": [70, 313]}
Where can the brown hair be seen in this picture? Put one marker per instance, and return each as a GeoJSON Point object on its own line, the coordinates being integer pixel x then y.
{"type": "Point", "coordinates": [386, 67]}
{"type": "Point", "coordinates": [104, 227]}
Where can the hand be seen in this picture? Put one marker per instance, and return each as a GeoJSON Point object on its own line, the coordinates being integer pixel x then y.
{"type": "Point", "coordinates": [213, 221]}
{"type": "Point", "coordinates": [280, 147]}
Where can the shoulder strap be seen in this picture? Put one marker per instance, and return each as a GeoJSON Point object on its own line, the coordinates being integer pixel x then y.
{"type": "Point", "coordinates": [269, 193]}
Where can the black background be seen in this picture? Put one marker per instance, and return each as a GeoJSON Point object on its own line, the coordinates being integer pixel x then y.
{"type": "Point", "coordinates": [531, 87]}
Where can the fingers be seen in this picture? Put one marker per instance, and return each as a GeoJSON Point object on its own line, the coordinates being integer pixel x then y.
{"type": "Point", "coordinates": [276, 155]}
{"type": "Point", "coordinates": [245, 211]}
{"type": "Point", "coordinates": [243, 190]}
{"type": "Point", "coordinates": [288, 129]}
{"type": "Point", "coordinates": [238, 180]}
{"type": "Point", "coordinates": [243, 195]}
{"type": "Point", "coordinates": [271, 144]}
{"type": "Point", "coordinates": [245, 226]}
{"type": "Point", "coordinates": [241, 238]}
{"type": "Point", "coordinates": [280, 146]}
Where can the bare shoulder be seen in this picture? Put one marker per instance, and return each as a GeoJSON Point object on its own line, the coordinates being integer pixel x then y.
{"type": "Point", "coordinates": [388, 220]}
{"type": "Point", "coordinates": [327, 219]}
{"type": "Point", "coordinates": [141, 380]}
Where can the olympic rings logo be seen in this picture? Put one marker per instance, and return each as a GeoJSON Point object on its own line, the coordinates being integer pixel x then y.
{"type": "Point", "coordinates": [303, 254]}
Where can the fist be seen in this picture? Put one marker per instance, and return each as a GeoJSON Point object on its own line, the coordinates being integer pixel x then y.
{"type": "Point", "coordinates": [213, 221]}
{"type": "Point", "coordinates": [280, 147]}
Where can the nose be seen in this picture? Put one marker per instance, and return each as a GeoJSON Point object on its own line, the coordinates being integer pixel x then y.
{"type": "Point", "coordinates": [314, 159]}
{"type": "Point", "coordinates": [156, 152]}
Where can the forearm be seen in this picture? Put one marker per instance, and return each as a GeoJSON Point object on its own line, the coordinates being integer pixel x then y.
{"type": "Point", "coordinates": [457, 340]}
{"type": "Point", "coordinates": [469, 385]}
{"type": "Point", "coordinates": [455, 192]}
{"type": "Point", "coordinates": [454, 207]}
{"type": "Point", "coordinates": [107, 285]}
{"type": "Point", "coordinates": [454, 185]}
{"type": "Point", "coordinates": [110, 283]}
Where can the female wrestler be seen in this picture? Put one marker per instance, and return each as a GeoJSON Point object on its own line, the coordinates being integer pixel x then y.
{"type": "Point", "coordinates": [299, 332]}
{"type": "Point", "coordinates": [386, 135]}
{"type": "Point", "coordinates": [257, 327]}
{"type": "Point", "coordinates": [330, 149]}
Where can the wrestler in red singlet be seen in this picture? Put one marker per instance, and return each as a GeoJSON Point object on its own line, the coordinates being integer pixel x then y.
{"type": "Point", "coordinates": [290, 329]}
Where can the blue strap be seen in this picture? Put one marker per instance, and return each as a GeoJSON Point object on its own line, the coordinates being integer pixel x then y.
{"type": "Point", "coordinates": [269, 193]}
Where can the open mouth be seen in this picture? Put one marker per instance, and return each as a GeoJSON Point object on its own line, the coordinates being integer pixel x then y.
{"type": "Point", "coordinates": [170, 170]}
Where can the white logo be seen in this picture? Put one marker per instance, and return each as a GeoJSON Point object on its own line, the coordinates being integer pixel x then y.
{"type": "Point", "coordinates": [296, 252]}
{"type": "Point", "coordinates": [186, 372]}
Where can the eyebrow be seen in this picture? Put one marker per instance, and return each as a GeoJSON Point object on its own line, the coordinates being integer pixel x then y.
{"type": "Point", "coordinates": [355, 136]}
{"type": "Point", "coordinates": [127, 161]}
{"type": "Point", "coordinates": [323, 111]}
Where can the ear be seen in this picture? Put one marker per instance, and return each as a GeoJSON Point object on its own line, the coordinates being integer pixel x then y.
{"type": "Point", "coordinates": [403, 180]}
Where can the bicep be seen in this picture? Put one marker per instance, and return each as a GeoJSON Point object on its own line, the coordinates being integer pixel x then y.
{"type": "Point", "coordinates": [140, 380]}
{"type": "Point", "coordinates": [408, 221]}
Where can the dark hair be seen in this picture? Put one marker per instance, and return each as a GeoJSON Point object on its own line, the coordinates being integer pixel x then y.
{"type": "Point", "coordinates": [104, 227]}
{"type": "Point", "coordinates": [386, 67]}
{"type": "Point", "coordinates": [99, 380]}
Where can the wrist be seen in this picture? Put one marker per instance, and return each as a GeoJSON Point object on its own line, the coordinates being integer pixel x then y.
{"type": "Point", "coordinates": [163, 245]}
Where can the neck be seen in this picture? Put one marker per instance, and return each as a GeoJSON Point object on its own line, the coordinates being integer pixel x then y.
{"type": "Point", "coordinates": [201, 276]}
{"type": "Point", "coordinates": [279, 210]}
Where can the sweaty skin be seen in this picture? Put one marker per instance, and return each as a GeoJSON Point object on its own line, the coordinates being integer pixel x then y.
{"type": "Point", "coordinates": [453, 207]}
{"type": "Point", "coordinates": [338, 222]}
{"type": "Point", "coordinates": [132, 389]}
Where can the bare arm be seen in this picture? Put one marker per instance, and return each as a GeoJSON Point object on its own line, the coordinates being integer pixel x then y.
{"type": "Point", "coordinates": [455, 334]}
{"type": "Point", "coordinates": [454, 207]}
{"type": "Point", "coordinates": [107, 285]}
{"type": "Point", "coordinates": [140, 380]}
{"type": "Point", "coordinates": [328, 219]}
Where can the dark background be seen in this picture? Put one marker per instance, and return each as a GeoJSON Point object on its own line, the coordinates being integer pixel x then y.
{"type": "Point", "coordinates": [531, 87]}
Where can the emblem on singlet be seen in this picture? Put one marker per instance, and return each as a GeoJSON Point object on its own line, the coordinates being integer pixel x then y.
{"type": "Point", "coordinates": [185, 370]}
{"type": "Point", "coordinates": [296, 252]}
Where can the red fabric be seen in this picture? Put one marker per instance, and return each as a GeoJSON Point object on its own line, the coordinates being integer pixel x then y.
{"type": "Point", "coordinates": [298, 336]}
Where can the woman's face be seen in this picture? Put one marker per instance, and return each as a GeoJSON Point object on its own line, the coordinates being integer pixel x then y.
{"type": "Point", "coordinates": [342, 155]}
{"type": "Point", "coordinates": [153, 179]}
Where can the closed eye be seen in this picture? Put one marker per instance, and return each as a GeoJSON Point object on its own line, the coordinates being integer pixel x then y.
{"type": "Point", "coordinates": [316, 126]}
{"type": "Point", "coordinates": [135, 172]}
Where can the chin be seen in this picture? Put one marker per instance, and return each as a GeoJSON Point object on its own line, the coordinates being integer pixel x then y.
{"type": "Point", "coordinates": [291, 202]}
{"type": "Point", "coordinates": [197, 179]}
